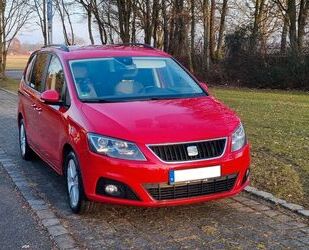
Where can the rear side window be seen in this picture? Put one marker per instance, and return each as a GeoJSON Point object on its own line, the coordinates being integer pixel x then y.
{"type": "Point", "coordinates": [37, 76]}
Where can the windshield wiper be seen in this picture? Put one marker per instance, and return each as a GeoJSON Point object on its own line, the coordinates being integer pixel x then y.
{"type": "Point", "coordinates": [97, 101]}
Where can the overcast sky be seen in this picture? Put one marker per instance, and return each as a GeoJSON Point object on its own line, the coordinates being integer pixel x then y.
{"type": "Point", "coordinates": [32, 33]}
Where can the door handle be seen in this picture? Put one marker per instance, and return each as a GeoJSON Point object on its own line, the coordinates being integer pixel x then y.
{"type": "Point", "coordinates": [38, 109]}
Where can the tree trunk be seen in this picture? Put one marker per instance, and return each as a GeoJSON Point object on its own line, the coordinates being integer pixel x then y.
{"type": "Point", "coordinates": [44, 25]}
{"type": "Point", "coordinates": [70, 24]}
{"type": "Point", "coordinates": [124, 13]}
{"type": "Point", "coordinates": [221, 29]}
{"type": "Point", "coordinates": [180, 32]}
{"type": "Point", "coordinates": [302, 19]}
{"type": "Point", "coordinates": [212, 30]}
{"type": "Point", "coordinates": [133, 30]}
{"type": "Point", "coordinates": [192, 45]}
{"type": "Point", "coordinates": [147, 23]}
{"type": "Point", "coordinates": [101, 33]}
{"type": "Point", "coordinates": [165, 26]}
{"type": "Point", "coordinates": [292, 17]}
{"type": "Point", "coordinates": [155, 17]}
{"type": "Point", "coordinates": [2, 10]}
{"type": "Point", "coordinates": [171, 28]}
{"type": "Point", "coordinates": [258, 14]}
{"type": "Point", "coordinates": [109, 22]}
{"type": "Point", "coordinates": [284, 36]}
{"type": "Point", "coordinates": [61, 13]}
{"type": "Point", "coordinates": [206, 59]}
{"type": "Point", "coordinates": [89, 22]}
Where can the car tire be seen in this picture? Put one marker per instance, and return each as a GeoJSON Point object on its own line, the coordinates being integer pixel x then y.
{"type": "Point", "coordinates": [78, 201]}
{"type": "Point", "coordinates": [25, 150]}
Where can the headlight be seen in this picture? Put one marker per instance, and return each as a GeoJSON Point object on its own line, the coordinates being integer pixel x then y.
{"type": "Point", "coordinates": [114, 148]}
{"type": "Point", "coordinates": [238, 138]}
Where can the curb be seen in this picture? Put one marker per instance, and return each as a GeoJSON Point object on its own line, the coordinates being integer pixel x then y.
{"type": "Point", "coordinates": [42, 210]}
{"type": "Point", "coordinates": [300, 210]}
{"type": "Point", "coordinates": [8, 91]}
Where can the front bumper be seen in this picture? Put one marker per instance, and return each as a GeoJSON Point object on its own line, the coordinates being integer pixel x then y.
{"type": "Point", "coordinates": [137, 175]}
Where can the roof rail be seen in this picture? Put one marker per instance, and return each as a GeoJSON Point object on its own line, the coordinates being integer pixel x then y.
{"type": "Point", "coordinates": [134, 44]}
{"type": "Point", "coordinates": [58, 46]}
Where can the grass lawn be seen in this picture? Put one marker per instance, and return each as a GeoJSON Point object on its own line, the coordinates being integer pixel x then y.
{"type": "Point", "coordinates": [277, 125]}
{"type": "Point", "coordinates": [9, 84]}
{"type": "Point", "coordinates": [17, 62]}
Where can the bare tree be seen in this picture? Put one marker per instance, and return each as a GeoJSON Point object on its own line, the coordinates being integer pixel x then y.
{"type": "Point", "coordinates": [206, 34]}
{"type": "Point", "coordinates": [258, 17]}
{"type": "Point", "coordinates": [302, 21]}
{"type": "Point", "coordinates": [212, 30]}
{"type": "Point", "coordinates": [62, 8]}
{"type": "Point", "coordinates": [14, 14]}
{"type": "Point", "coordinates": [39, 7]}
{"type": "Point", "coordinates": [124, 8]}
{"type": "Point", "coordinates": [192, 45]}
{"type": "Point", "coordinates": [221, 28]}
{"type": "Point", "coordinates": [88, 7]}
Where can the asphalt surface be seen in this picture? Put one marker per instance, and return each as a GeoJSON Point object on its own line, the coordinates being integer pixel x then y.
{"type": "Point", "coordinates": [14, 74]}
{"type": "Point", "coordinates": [18, 228]}
{"type": "Point", "coordinates": [241, 222]}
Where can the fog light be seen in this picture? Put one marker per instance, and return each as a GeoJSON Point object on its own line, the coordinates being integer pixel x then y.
{"type": "Point", "coordinates": [111, 189]}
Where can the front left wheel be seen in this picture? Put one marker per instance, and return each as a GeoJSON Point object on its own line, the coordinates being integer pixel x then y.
{"type": "Point", "coordinates": [78, 202]}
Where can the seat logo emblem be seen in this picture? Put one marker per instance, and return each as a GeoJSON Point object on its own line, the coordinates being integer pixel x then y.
{"type": "Point", "coordinates": [192, 151]}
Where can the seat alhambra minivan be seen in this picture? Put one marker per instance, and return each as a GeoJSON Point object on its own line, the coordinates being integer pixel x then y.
{"type": "Point", "coordinates": [127, 124]}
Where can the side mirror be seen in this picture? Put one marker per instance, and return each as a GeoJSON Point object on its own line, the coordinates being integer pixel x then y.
{"type": "Point", "coordinates": [50, 97]}
{"type": "Point", "coordinates": [205, 86]}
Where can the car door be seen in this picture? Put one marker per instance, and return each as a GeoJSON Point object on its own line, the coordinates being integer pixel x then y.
{"type": "Point", "coordinates": [52, 118]}
{"type": "Point", "coordinates": [31, 97]}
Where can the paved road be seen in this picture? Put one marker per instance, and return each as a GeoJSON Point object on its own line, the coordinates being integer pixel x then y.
{"type": "Point", "coordinates": [241, 222]}
{"type": "Point", "coordinates": [18, 229]}
{"type": "Point", "coordinates": [14, 74]}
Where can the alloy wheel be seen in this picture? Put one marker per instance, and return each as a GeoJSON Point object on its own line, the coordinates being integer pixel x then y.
{"type": "Point", "coordinates": [73, 183]}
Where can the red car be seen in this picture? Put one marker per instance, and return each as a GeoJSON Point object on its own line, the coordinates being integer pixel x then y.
{"type": "Point", "coordinates": [127, 124]}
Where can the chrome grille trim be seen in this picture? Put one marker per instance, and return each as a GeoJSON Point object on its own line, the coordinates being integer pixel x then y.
{"type": "Point", "coordinates": [188, 143]}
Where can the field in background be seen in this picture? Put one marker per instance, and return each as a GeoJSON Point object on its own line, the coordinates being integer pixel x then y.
{"type": "Point", "coordinates": [276, 123]}
{"type": "Point", "coordinates": [9, 84]}
{"type": "Point", "coordinates": [17, 62]}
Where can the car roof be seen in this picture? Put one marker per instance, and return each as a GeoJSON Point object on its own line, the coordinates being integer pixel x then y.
{"type": "Point", "coordinates": [99, 51]}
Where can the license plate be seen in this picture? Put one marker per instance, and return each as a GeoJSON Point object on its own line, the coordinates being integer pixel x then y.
{"type": "Point", "coordinates": [186, 175]}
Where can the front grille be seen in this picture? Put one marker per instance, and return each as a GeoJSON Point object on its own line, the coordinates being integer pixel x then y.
{"type": "Point", "coordinates": [179, 152]}
{"type": "Point", "coordinates": [177, 191]}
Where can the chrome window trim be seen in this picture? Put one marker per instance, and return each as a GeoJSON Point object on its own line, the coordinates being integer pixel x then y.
{"type": "Point", "coordinates": [177, 143]}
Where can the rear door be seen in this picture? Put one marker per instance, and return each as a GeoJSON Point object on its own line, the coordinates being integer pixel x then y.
{"type": "Point", "coordinates": [34, 85]}
{"type": "Point", "coordinates": [52, 127]}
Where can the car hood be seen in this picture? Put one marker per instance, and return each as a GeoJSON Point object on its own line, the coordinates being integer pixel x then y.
{"type": "Point", "coordinates": [162, 121]}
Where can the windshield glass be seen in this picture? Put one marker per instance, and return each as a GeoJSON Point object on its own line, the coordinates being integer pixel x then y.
{"type": "Point", "coordinates": [131, 78]}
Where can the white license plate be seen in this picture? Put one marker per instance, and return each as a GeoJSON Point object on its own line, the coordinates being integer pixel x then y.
{"type": "Point", "coordinates": [186, 175]}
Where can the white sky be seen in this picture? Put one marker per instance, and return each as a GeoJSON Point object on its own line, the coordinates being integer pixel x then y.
{"type": "Point", "coordinates": [32, 32]}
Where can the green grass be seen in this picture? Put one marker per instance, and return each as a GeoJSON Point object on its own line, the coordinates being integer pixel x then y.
{"type": "Point", "coordinates": [277, 125]}
{"type": "Point", "coordinates": [9, 84]}
{"type": "Point", "coordinates": [16, 62]}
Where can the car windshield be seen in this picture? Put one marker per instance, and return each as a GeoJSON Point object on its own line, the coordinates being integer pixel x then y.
{"type": "Point", "coordinates": [132, 78]}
